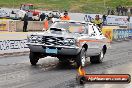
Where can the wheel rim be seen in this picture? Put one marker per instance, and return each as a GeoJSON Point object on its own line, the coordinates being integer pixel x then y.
{"type": "Point", "coordinates": [83, 60]}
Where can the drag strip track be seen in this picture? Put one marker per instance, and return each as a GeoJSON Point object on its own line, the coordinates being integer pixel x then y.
{"type": "Point", "coordinates": [20, 74]}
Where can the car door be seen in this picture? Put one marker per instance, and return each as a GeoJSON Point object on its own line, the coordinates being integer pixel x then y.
{"type": "Point", "coordinates": [93, 41]}
{"type": "Point", "coordinates": [99, 37]}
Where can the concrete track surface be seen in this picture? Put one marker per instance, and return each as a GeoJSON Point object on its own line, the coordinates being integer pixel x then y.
{"type": "Point", "coordinates": [16, 71]}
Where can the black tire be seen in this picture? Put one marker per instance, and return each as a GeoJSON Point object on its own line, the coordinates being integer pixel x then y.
{"type": "Point", "coordinates": [80, 57]}
{"type": "Point", "coordinates": [33, 58]}
{"type": "Point", "coordinates": [98, 58]}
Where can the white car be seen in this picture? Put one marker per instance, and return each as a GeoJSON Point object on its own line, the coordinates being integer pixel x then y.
{"type": "Point", "coordinates": [3, 13]}
{"type": "Point", "coordinates": [69, 41]}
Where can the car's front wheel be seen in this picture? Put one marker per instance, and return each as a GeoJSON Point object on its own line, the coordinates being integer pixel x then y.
{"type": "Point", "coordinates": [98, 58]}
{"type": "Point", "coordinates": [33, 58]}
{"type": "Point", "coordinates": [81, 58]}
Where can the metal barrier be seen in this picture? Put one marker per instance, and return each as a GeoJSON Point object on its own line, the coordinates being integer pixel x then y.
{"type": "Point", "coordinates": [17, 26]}
{"type": "Point", "coordinates": [122, 34]}
{"type": "Point", "coordinates": [117, 34]}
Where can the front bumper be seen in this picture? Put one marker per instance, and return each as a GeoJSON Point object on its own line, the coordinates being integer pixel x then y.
{"type": "Point", "coordinates": [61, 50]}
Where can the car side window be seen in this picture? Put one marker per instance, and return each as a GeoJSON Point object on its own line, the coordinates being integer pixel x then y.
{"type": "Point", "coordinates": [97, 30]}
{"type": "Point", "coordinates": [91, 32]}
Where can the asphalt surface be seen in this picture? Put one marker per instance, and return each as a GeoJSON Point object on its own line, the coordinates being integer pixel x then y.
{"type": "Point", "coordinates": [16, 71]}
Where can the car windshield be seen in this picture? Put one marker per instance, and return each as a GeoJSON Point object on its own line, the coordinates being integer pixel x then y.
{"type": "Point", "coordinates": [71, 27]}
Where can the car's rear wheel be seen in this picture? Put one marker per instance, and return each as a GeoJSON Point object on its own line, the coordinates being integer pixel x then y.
{"type": "Point", "coordinates": [81, 58]}
{"type": "Point", "coordinates": [98, 58]}
{"type": "Point", "coordinates": [33, 58]}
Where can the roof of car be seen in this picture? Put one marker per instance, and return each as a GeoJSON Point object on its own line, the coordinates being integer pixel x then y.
{"type": "Point", "coordinates": [73, 21]}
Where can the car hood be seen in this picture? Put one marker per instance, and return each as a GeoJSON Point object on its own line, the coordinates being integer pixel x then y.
{"type": "Point", "coordinates": [63, 34]}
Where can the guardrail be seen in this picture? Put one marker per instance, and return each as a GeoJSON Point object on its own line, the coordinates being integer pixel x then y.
{"type": "Point", "coordinates": [17, 26]}
{"type": "Point", "coordinates": [122, 34]}
{"type": "Point", "coordinates": [13, 42]}
{"type": "Point", "coordinates": [117, 34]}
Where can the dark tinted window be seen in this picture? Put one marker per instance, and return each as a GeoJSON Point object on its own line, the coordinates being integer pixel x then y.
{"type": "Point", "coordinates": [71, 27]}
